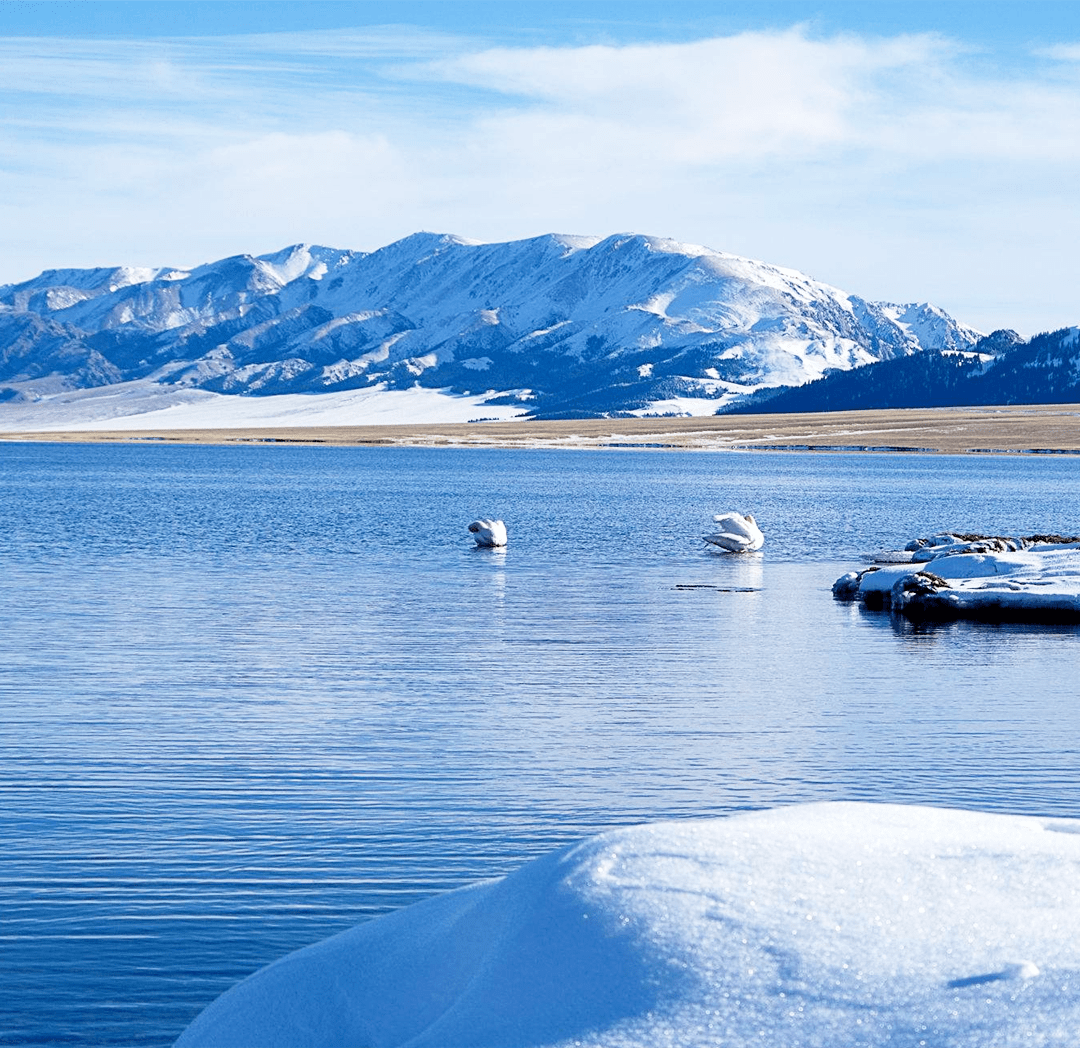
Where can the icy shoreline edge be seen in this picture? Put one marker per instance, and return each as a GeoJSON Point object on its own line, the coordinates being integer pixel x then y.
{"type": "Point", "coordinates": [964, 576]}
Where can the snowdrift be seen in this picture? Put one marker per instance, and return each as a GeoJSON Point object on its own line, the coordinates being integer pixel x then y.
{"type": "Point", "coordinates": [824, 924]}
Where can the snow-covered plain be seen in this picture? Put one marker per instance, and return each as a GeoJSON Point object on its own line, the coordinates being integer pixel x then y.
{"type": "Point", "coordinates": [968, 576]}
{"type": "Point", "coordinates": [143, 405]}
{"type": "Point", "coordinates": [834, 924]}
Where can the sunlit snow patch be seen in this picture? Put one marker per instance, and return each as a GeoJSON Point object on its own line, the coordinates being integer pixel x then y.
{"type": "Point", "coordinates": [825, 924]}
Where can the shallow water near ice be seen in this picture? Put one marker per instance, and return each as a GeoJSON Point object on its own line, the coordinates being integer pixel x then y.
{"type": "Point", "coordinates": [254, 695]}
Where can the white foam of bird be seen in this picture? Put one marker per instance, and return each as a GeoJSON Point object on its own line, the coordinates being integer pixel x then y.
{"type": "Point", "coordinates": [738, 533]}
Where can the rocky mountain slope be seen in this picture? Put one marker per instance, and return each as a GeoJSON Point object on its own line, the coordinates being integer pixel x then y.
{"type": "Point", "coordinates": [1001, 368]}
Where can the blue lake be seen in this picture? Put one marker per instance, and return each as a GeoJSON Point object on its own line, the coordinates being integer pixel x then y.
{"type": "Point", "coordinates": [250, 696]}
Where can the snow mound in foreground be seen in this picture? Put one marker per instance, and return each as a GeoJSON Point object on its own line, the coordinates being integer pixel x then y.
{"type": "Point", "coordinates": [824, 924]}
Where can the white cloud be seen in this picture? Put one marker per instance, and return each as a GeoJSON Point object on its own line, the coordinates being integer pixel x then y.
{"type": "Point", "coordinates": [776, 94]}
{"type": "Point", "coordinates": [1061, 52]}
{"type": "Point", "coordinates": [903, 167]}
{"type": "Point", "coordinates": [741, 96]}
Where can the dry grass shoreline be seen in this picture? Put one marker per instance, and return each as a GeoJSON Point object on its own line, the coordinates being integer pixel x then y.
{"type": "Point", "coordinates": [1037, 428]}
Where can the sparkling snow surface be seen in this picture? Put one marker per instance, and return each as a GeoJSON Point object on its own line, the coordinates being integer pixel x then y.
{"type": "Point", "coordinates": [823, 924]}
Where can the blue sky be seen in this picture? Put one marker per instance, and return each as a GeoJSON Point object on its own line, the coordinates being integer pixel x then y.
{"type": "Point", "coordinates": [904, 151]}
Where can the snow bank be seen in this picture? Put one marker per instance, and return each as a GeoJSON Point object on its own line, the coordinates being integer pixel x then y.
{"type": "Point", "coordinates": [1036, 578]}
{"type": "Point", "coordinates": [824, 924]}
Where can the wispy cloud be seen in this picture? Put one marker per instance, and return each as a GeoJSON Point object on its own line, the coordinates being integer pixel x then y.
{"type": "Point", "coordinates": [906, 165]}
{"type": "Point", "coordinates": [1061, 52]}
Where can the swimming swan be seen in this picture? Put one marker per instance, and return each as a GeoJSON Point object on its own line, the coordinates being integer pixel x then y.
{"type": "Point", "coordinates": [488, 532]}
{"type": "Point", "coordinates": [737, 534]}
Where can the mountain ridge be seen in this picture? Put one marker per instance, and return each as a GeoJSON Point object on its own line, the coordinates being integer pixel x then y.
{"type": "Point", "coordinates": [558, 325]}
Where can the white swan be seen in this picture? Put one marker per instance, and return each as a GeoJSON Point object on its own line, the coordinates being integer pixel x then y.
{"type": "Point", "coordinates": [737, 534]}
{"type": "Point", "coordinates": [488, 532]}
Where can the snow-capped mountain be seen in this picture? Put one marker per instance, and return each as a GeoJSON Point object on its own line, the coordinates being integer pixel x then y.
{"type": "Point", "coordinates": [551, 326]}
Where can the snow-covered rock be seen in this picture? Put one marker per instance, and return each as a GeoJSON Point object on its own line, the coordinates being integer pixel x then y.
{"type": "Point", "coordinates": [1034, 578]}
{"type": "Point", "coordinates": [554, 325]}
{"type": "Point", "coordinates": [825, 924]}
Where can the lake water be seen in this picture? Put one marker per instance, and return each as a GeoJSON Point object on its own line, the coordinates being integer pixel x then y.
{"type": "Point", "coordinates": [250, 696]}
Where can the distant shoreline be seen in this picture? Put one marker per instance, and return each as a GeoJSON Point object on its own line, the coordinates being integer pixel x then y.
{"type": "Point", "coordinates": [1016, 429]}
